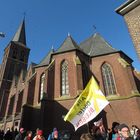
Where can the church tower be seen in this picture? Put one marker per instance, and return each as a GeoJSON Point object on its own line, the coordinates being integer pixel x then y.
{"type": "Point", "coordinates": [15, 60]}
{"type": "Point", "coordinates": [130, 10]}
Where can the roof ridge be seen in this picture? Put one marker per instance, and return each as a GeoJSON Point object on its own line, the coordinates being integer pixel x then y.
{"type": "Point", "coordinates": [96, 45]}
{"type": "Point", "coordinates": [68, 44]}
{"type": "Point", "coordinates": [46, 59]}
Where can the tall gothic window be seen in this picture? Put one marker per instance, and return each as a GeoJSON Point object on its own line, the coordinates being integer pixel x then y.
{"type": "Point", "coordinates": [22, 56]}
{"type": "Point", "coordinates": [42, 85]}
{"type": "Point", "coordinates": [15, 53]}
{"type": "Point", "coordinates": [108, 80]}
{"type": "Point", "coordinates": [64, 78]}
{"type": "Point", "coordinates": [11, 105]}
{"type": "Point", "coordinates": [19, 102]}
{"type": "Point", "coordinates": [85, 73]}
{"type": "Point", "coordinates": [11, 71]}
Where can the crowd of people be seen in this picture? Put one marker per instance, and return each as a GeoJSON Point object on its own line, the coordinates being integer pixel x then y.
{"type": "Point", "coordinates": [97, 132]}
{"type": "Point", "coordinates": [29, 135]}
{"type": "Point", "coordinates": [117, 132]}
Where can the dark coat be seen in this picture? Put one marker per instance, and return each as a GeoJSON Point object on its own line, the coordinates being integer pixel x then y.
{"type": "Point", "coordinates": [19, 136]}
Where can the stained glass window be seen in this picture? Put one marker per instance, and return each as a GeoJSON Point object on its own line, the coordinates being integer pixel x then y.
{"type": "Point", "coordinates": [108, 80]}
{"type": "Point", "coordinates": [64, 78]}
{"type": "Point", "coordinates": [42, 85]}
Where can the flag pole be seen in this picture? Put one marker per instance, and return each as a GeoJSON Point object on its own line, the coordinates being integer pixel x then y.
{"type": "Point", "coordinates": [87, 124]}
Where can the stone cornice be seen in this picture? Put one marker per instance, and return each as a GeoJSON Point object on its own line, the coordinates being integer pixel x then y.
{"type": "Point", "coordinates": [127, 7]}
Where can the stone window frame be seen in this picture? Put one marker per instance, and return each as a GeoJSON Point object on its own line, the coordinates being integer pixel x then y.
{"type": "Point", "coordinates": [19, 101]}
{"type": "Point", "coordinates": [15, 53]}
{"type": "Point", "coordinates": [108, 79]}
{"type": "Point", "coordinates": [64, 78]}
{"type": "Point", "coordinates": [11, 105]}
{"type": "Point", "coordinates": [22, 55]}
{"type": "Point", "coordinates": [42, 84]}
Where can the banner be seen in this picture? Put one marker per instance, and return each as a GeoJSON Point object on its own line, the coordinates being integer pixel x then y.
{"type": "Point", "coordinates": [88, 105]}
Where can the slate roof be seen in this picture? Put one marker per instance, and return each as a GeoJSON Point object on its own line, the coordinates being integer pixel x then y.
{"type": "Point", "coordinates": [33, 64]}
{"type": "Point", "coordinates": [20, 35]}
{"type": "Point", "coordinates": [96, 45]}
{"type": "Point", "coordinates": [46, 59]}
{"type": "Point", "coordinates": [68, 45]}
{"type": "Point", "coordinates": [93, 46]}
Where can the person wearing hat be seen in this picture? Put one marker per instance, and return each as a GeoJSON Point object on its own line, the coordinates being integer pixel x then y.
{"type": "Point", "coordinates": [124, 132]}
{"type": "Point", "coordinates": [28, 135]}
{"type": "Point", "coordinates": [39, 135]}
{"type": "Point", "coordinates": [54, 135]}
{"type": "Point", "coordinates": [20, 135]}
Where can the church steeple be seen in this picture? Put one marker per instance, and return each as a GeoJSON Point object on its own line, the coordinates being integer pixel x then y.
{"type": "Point", "coordinates": [20, 35]}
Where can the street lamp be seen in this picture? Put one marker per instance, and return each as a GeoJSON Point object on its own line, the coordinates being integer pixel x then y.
{"type": "Point", "coordinates": [2, 34]}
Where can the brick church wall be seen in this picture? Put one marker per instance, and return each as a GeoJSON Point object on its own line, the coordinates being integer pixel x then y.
{"type": "Point", "coordinates": [123, 77]}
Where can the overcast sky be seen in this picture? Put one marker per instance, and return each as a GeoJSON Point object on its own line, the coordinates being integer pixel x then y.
{"type": "Point", "coordinates": [49, 21]}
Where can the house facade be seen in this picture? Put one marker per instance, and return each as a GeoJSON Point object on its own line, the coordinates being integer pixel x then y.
{"type": "Point", "coordinates": [130, 11]}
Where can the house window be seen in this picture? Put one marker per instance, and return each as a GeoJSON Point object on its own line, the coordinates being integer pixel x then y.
{"type": "Point", "coordinates": [42, 85]}
{"type": "Point", "coordinates": [108, 80]}
{"type": "Point", "coordinates": [64, 78]}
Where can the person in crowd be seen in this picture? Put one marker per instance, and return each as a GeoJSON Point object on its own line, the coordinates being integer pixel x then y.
{"type": "Point", "coordinates": [123, 132]}
{"type": "Point", "coordinates": [133, 131]}
{"type": "Point", "coordinates": [113, 134]}
{"type": "Point", "coordinates": [87, 136]}
{"type": "Point", "coordinates": [54, 135]}
{"type": "Point", "coordinates": [20, 135]}
{"type": "Point", "coordinates": [34, 134]}
{"type": "Point", "coordinates": [138, 134]}
{"type": "Point", "coordinates": [28, 136]}
{"type": "Point", "coordinates": [15, 132]}
{"type": "Point", "coordinates": [8, 135]}
{"type": "Point", "coordinates": [39, 135]}
{"type": "Point", "coordinates": [100, 133]}
{"type": "Point", "coordinates": [1, 134]}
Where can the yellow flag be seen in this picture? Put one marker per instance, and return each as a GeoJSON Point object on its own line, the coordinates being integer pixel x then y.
{"type": "Point", "coordinates": [88, 105]}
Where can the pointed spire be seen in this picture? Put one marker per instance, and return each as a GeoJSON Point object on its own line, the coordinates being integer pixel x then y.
{"type": "Point", "coordinates": [20, 35]}
{"type": "Point", "coordinates": [52, 48]}
{"type": "Point", "coordinates": [94, 29]}
{"type": "Point", "coordinates": [68, 34]}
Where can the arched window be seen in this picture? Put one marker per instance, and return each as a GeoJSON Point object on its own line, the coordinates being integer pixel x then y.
{"type": "Point", "coordinates": [42, 79]}
{"type": "Point", "coordinates": [108, 80]}
{"type": "Point", "coordinates": [14, 53]}
{"type": "Point", "coordinates": [22, 55]}
{"type": "Point", "coordinates": [11, 105]}
{"type": "Point", "coordinates": [85, 73]}
{"type": "Point", "coordinates": [64, 78]}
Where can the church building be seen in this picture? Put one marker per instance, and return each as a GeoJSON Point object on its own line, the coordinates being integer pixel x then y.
{"type": "Point", "coordinates": [40, 95]}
